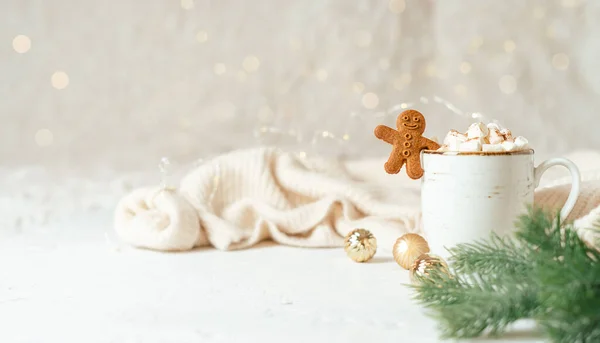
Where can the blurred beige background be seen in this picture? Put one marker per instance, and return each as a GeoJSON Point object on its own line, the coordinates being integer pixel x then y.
{"type": "Point", "coordinates": [94, 92]}
{"type": "Point", "coordinates": [118, 84]}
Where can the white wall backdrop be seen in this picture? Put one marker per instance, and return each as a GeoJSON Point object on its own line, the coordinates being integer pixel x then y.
{"type": "Point", "coordinates": [119, 84]}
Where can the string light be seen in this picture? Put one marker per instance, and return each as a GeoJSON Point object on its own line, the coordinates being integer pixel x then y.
{"type": "Point", "coordinates": [187, 4]}
{"type": "Point", "coordinates": [509, 46]}
{"type": "Point", "coordinates": [397, 6]}
{"type": "Point", "coordinates": [431, 69]}
{"type": "Point", "coordinates": [60, 80]}
{"type": "Point", "coordinates": [384, 63]}
{"type": "Point", "coordinates": [569, 3]}
{"type": "Point", "coordinates": [321, 75]}
{"type": "Point", "coordinates": [358, 87]}
{"type": "Point", "coordinates": [508, 84]}
{"type": "Point", "coordinates": [465, 67]}
{"type": "Point", "coordinates": [370, 100]}
{"type": "Point", "coordinates": [21, 44]}
{"type": "Point", "coordinates": [328, 137]}
{"type": "Point", "coordinates": [425, 100]}
{"type": "Point", "coordinates": [220, 69]}
{"type": "Point", "coordinates": [44, 137]}
{"type": "Point", "coordinates": [251, 64]}
{"type": "Point", "coordinates": [202, 36]}
{"type": "Point", "coordinates": [475, 44]}
{"type": "Point", "coordinates": [345, 138]}
{"type": "Point", "coordinates": [560, 61]}
{"type": "Point", "coordinates": [264, 131]}
{"type": "Point", "coordinates": [296, 136]}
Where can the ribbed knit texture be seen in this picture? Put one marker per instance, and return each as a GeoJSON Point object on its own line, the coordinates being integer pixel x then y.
{"type": "Point", "coordinates": [239, 199]}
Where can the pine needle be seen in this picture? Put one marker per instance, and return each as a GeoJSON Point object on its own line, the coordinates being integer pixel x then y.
{"type": "Point", "coordinates": [497, 256]}
{"type": "Point", "coordinates": [546, 272]}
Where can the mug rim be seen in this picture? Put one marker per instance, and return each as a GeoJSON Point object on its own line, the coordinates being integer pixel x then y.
{"type": "Point", "coordinates": [479, 153]}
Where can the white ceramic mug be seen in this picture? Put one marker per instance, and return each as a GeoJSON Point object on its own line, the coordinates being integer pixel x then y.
{"type": "Point", "coordinates": [465, 196]}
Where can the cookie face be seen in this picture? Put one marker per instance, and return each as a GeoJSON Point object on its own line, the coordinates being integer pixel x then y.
{"type": "Point", "coordinates": [407, 143]}
{"type": "Point", "coordinates": [411, 121]}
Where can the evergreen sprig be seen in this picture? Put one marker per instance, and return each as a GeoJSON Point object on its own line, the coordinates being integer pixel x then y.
{"type": "Point", "coordinates": [545, 272]}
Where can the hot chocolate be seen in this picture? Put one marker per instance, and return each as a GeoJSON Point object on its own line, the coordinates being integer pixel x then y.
{"type": "Point", "coordinates": [485, 138]}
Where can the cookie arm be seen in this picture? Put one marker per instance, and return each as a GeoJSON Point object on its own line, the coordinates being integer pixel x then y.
{"type": "Point", "coordinates": [386, 133]}
{"type": "Point", "coordinates": [429, 144]}
{"type": "Point", "coordinates": [395, 162]}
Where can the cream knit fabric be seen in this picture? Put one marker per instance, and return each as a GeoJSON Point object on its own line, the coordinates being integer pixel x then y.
{"type": "Point", "coordinates": [239, 199]}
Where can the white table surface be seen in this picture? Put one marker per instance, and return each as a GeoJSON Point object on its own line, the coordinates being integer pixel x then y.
{"type": "Point", "coordinates": [71, 284]}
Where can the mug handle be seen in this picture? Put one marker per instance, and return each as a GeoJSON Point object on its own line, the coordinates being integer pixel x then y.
{"type": "Point", "coordinates": [575, 177]}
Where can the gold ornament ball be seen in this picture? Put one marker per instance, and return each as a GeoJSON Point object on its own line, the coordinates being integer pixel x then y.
{"type": "Point", "coordinates": [407, 248]}
{"type": "Point", "coordinates": [425, 264]}
{"type": "Point", "coordinates": [360, 245]}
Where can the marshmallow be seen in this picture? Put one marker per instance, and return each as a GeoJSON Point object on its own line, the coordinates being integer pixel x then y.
{"type": "Point", "coordinates": [521, 143]}
{"type": "Point", "coordinates": [507, 134]}
{"type": "Point", "coordinates": [495, 137]}
{"type": "Point", "coordinates": [472, 145]}
{"type": "Point", "coordinates": [453, 140]}
{"type": "Point", "coordinates": [492, 147]}
{"type": "Point", "coordinates": [479, 137]}
{"type": "Point", "coordinates": [454, 135]}
{"type": "Point", "coordinates": [493, 126]}
{"type": "Point", "coordinates": [508, 146]}
{"type": "Point", "coordinates": [477, 130]}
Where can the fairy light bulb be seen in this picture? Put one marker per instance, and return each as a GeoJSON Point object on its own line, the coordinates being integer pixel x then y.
{"type": "Point", "coordinates": [21, 44]}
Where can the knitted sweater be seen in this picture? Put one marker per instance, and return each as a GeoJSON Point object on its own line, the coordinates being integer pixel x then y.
{"type": "Point", "coordinates": [236, 200]}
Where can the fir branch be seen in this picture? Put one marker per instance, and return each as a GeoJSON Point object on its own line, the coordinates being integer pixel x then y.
{"type": "Point", "coordinates": [539, 230]}
{"type": "Point", "coordinates": [569, 275]}
{"type": "Point", "coordinates": [572, 312]}
{"type": "Point", "coordinates": [469, 306]}
{"type": "Point", "coordinates": [497, 256]}
{"type": "Point", "coordinates": [547, 273]}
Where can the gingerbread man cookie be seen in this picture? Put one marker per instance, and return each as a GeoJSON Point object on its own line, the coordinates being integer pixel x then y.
{"type": "Point", "coordinates": [407, 142]}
